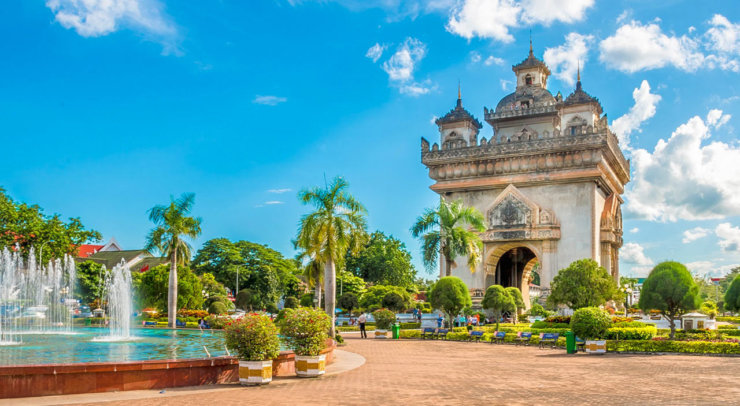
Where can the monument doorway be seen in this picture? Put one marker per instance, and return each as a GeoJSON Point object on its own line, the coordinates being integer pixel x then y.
{"type": "Point", "coordinates": [511, 266]}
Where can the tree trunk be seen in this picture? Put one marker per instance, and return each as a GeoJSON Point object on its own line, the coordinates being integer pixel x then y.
{"type": "Point", "coordinates": [330, 293]}
{"type": "Point", "coordinates": [673, 326]}
{"type": "Point", "coordinates": [172, 291]}
{"type": "Point", "coordinates": [498, 317]}
{"type": "Point", "coordinates": [317, 294]}
{"type": "Point", "coordinates": [448, 267]}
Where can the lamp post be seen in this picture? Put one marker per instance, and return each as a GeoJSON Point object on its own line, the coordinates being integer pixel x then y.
{"type": "Point", "coordinates": [237, 281]}
{"type": "Point", "coordinates": [41, 251]}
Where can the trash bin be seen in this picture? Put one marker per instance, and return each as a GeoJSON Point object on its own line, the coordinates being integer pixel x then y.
{"type": "Point", "coordinates": [570, 342]}
{"type": "Point", "coordinates": [396, 331]}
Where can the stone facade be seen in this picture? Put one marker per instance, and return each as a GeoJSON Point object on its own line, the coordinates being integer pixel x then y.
{"type": "Point", "coordinates": [548, 181]}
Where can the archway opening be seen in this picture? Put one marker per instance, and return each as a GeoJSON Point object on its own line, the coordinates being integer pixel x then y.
{"type": "Point", "coordinates": [511, 265]}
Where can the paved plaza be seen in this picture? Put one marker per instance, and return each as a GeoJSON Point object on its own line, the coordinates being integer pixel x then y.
{"type": "Point", "coordinates": [411, 372]}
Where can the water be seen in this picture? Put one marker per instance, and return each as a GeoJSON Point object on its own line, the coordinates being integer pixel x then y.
{"type": "Point", "coordinates": [80, 346]}
{"type": "Point", "coordinates": [120, 308]}
{"type": "Point", "coordinates": [34, 297]}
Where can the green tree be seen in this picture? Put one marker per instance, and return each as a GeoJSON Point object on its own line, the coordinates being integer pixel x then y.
{"type": "Point", "coordinates": [451, 295]}
{"type": "Point", "coordinates": [90, 278]}
{"type": "Point", "coordinates": [383, 260]}
{"type": "Point", "coordinates": [372, 299]}
{"type": "Point", "coordinates": [307, 300]}
{"type": "Point", "coordinates": [313, 274]}
{"type": "Point", "coordinates": [582, 284]}
{"type": "Point", "coordinates": [348, 301]}
{"type": "Point", "coordinates": [394, 301]}
{"type": "Point", "coordinates": [259, 268]}
{"type": "Point", "coordinates": [347, 282]}
{"type": "Point", "coordinates": [732, 296]}
{"type": "Point", "coordinates": [498, 300]}
{"type": "Point", "coordinates": [337, 225]}
{"type": "Point", "coordinates": [590, 323]}
{"type": "Point", "coordinates": [152, 289]}
{"type": "Point", "coordinates": [516, 296]}
{"type": "Point", "coordinates": [211, 286]}
{"type": "Point", "coordinates": [709, 308]}
{"type": "Point", "coordinates": [451, 230]}
{"type": "Point", "coordinates": [173, 225]}
{"type": "Point", "coordinates": [670, 289]}
{"type": "Point", "coordinates": [248, 300]}
{"type": "Point", "coordinates": [291, 302]}
{"type": "Point", "coordinates": [27, 226]}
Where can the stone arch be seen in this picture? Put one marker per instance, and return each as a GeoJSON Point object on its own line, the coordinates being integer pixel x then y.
{"type": "Point", "coordinates": [496, 254]}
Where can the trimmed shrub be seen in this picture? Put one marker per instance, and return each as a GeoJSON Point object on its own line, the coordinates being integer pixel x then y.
{"type": "Point", "coordinates": [291, 302]}
{"type": "Point", "coordinates": [635, 324]}
{"type": "Point", "coordinates": [558, 319]}
{"type": "Point", "coordinates": [305, 330]}
{"type": "Point", "coordinates": [410, 326]}
{"type": "Point", "coordinates": [217, 322]}
{"type": "Point", "coordinates": [384, 319]}
{"type": "Point", "coordinates": [545, 324]}
{"type": "Point", "coordinates": [254, 337]}
{"type": "Point", "coordinates": [458, 336]}
{"type": "Point", "coordinates": [590, 323]}
{"type": "Point", "coordinates": [729, 319]}
{"type": "Point", "coordinates": [410, 334]}
{"type": "Point", "coordinates": [692, 347]}
{"type": "Point", "coordinates": [217, 308]}
{"type": "Point", "coordinates": [727, 327]}
{"type": "Point", "coordinates": [631, 333]}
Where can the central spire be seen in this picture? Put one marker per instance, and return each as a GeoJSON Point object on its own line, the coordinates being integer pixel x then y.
{"type": "Point", "coordinates": [531, 52]}
{"type": "Point", "coordinates": [459, 95]}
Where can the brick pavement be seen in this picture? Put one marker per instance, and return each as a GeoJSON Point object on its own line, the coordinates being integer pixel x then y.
{"type": "Point", "coordinates": [424, 372]}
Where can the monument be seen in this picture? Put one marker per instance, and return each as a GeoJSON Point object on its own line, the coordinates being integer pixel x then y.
{"type": "Point", "coordinates": [548, 180]}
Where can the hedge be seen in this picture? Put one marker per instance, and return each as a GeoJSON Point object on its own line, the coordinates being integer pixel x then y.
{"type": "Point", "coordinates": [410, 325]}
{"type": "Point", "coordinates": [631, 333]}
{"type": "Point", "coordinates": [691, 347]}
{"type": "Point", "coordinates": [730, 319]}
{"type": "Point", "coordinates": [410, 334]}
{"type": "Point", "coordinates": [545, 324]}
{"type": "Point", "coordinates": [727, 327]}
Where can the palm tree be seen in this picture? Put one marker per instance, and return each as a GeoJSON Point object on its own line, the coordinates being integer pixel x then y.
{"type": "Point", "coordinates": [326, 234]}
{"type": "Point", "coordinates": [172, 224]}
{"type": "Point", "coordinates": [451, 230]}
{"type": "Point", "coordinates": [313, 274]}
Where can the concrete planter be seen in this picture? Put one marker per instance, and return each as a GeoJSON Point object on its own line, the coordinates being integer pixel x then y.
{"type": "Point", "coordinates": [595, 346]}
{"type": "Point", "coordinates": [255, 372]}
{"type": "Point", "coordinates": [310, 367]}
{"type": "Point", "coordinates": [381, 333]}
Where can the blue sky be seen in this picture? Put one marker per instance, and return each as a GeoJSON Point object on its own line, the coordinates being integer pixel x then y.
{"type": "Point", "coordinates": [110, 107]}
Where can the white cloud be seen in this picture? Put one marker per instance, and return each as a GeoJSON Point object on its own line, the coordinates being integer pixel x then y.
{"type": "Point", "coordinates": [546, 12]}
{"type": "Point", "coordinates": [724, 36]}
{"type": "Point", "coordinates": [505, 84]}
{"type": "Point", "coordinates": [709, 268]}
{"type": "Point", "coordinates": [634, 253]}
{"type": "Point", "coordinates": [635, 230]}
{"type": "Point", "coordinates": [402, 63]}
{"type": "Point", "coordinates": [375, 52]}
{"type": "Point", "coordinates": [492, 60]}
{"type": "Point", "coordinates": [94, 18]}
{"type": "Point", "coordinates": [686, 177]}
{"type": "Point", "coordinates": [485, 19]}
{"type": "Point", "coordinates": [626, 14]}
{"type": "Point", "coordinates": [716, 119]}
{"type": "Point", "coordinates": [642, 110]}
{"type": "Point", "coordinates": [564, 59]}
{"type": "Point", "coordinates": [636, 47]}
{"type": "Point", "coordinates": [729, 237]}
{"type": "Point", "coordinates": [475, 57]}
{"type": "Point", "coordinates": [279, 191]}
{"type": "Point", "coordinates": [694, 234]}
{"type": "Point", "coordinates": [269, 100]}
{"type": "Point", "coordinates": [395, 9]}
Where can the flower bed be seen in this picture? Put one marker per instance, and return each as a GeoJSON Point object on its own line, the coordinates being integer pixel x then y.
{"type": "Point", "coordinates": [689, 347]}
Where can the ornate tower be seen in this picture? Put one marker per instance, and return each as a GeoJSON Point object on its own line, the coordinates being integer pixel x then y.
{"type": "Point", "coordinates": [548, 180]}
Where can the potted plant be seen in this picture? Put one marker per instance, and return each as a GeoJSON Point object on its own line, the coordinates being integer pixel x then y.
{"type": "Point", "coordinates": [254, 338]}
{"type": "Point", "coordinates": [306, 331]}
{"type": "Point", "coordinates": [591, 324]}
{"type": "Point", "coordinates": [384, 319]}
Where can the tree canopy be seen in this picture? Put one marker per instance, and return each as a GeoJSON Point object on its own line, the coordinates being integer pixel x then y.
{"type": "Point", "coordinates": [516, 297]}
{"type": "Point", "coordinates": [372, 299]}
{"type": "Point", "coordinates": [670, 289]}
{"type": "Point", "coordinates": [260, 269]}
{"type": "Point", "coordinates": [28, 226]}
{"type": "Point", "coordinates": [451, 229]}
{"type": "Point", "coordinates": [499, 300]}
{"type": "Point", "coordinates": [348, 301]}
{"type": "Point", "coordinates": [152, 288]}
{"type": "Point", "coordinates": [451, 295]}
{"type": "Point", "coordinates": [89, 279]}
{"type": "Point", "coordinates": [732, 296]}
{"type": "Point", "coordinates": [347, 282]}
{"type": "Point", "coordinates": [582, 284]}
{"type": "Point", "coordinates": [383, 260]}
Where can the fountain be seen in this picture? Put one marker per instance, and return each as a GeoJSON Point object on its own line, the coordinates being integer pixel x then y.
{"type": "Point", "coordinates": [120, 308]}
{"type": "Point", "coordinates": [34, 298]}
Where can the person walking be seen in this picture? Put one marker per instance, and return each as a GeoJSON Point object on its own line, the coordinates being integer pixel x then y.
{"type": "Point", "coordinates": [361, 321]}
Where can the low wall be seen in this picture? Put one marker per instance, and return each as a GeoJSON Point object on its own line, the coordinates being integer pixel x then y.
{"type": "Point", "coordinates": [64, 379]}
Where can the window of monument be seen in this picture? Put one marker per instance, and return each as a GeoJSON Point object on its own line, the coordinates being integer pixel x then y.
{"type": "Point", "coordinates": [528, 79]}
{"type": "Point", "coordinates": [572, 130]}
{"type": "Point", "coordinates": [525, 104]}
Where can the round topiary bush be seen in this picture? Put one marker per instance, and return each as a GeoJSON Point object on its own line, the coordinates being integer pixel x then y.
{"type": "Point", "coordinates": [253, 337]}
{"type": "Point", "coordinates": [217, 308]}
{"type": "Point", "coordinates": [384, 319]}
{"type": "Point", "coordinates": [291, 302]}
{"type": "Point", "coordinates": [305, 329]}
{"type": "Point", "coordinates": [590, 323]}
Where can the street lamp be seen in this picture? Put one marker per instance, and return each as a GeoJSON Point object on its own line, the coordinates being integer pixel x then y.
{"type": "Point", "coordinates": [237, 281]}
{"type": "Point", "coordinates": [41, 252]}
{"type": "Point", "coordinates": [627, 293]}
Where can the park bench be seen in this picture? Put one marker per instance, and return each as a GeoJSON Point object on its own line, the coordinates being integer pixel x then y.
{"type": "Point", "coordinates": [498, 337]}
{"type": "Point", "coordinates": [580, 344]}
{"type": "Point", "coordinates": [179, 323]}
{"type": "Point", "coordinates": [549, 338]}
{"type": "Point", "coordinates": [150, 323]}
{"type": "Point", "coordinates": [523, 338]}
{"type": "Point", "coordinates": [442, 333]}
{"type": "Point", "coordinates": [476, 335]}
{"type": "Point", "coordinates": [428, 333]}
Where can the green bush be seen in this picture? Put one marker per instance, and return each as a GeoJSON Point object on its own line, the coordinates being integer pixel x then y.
{"type": "Point", "coordinates": [291, 302]}
{"type": "Point", "coordinates": [217, 308]}
{"type": "Point", "coordinates": [348, 328]}
{"type": "Point", "coordinates": [545, 324]}
{"type": "Point", "coordinates": [217, 322]}
{"type": "Point", "coordinates": [458, 336]}
{"type": "Point", "coordinates": [307, 300]}
{"type": "Point", "coordinates": [254, 337]}
{"type": "Point", "coordinates": [384, 319]}
{"type": "Point", "coordinates": [729, 319]}
{"type": "Point", "coordinates": [410, 325]}
{"type": "Point", "coordinates": [635, 324]}
{"type": "Point", "coordinates": [732, 333]}
{"type": "Point", "coordinates": [693, 347]}
{"type": "Point", "coordinates": [727, 327]}
{"type": "Point", "coordinates": [410, 334]}
{"type": "Point", "coordinates": [305, 330]}
{"type": "Point", "coordinates": [631, 333]}
{"type": "Point", "coordinates": [590, 323]}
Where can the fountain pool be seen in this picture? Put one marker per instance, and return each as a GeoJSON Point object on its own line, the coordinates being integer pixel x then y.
{"type": "Point", "coordinates": [80, 345]}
